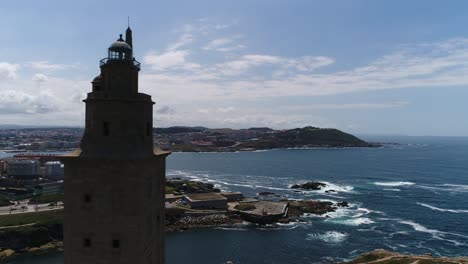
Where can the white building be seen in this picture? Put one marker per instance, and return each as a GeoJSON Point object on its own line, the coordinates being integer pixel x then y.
{"type": "Point", "coordinates": [53, 170]}
{"type": "Point", "coordinates": [23, 168]}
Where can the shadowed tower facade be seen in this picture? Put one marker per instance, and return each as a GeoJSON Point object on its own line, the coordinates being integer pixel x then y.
{"type": "Point", "coordinates": [114, 183]}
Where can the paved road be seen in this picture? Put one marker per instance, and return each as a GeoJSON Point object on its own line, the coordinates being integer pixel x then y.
{"type": "Point", "coordinates": [24, 207]}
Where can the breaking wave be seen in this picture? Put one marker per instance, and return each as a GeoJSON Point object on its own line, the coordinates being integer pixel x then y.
{"type": "Point", "coordinates": [394, 184]}
{"type": "Point", "coordinates": [436, 234]}
{"type": "Point", "coordinates": [332, 237]}
{"type": "Point", "coordinates": [454, 188]}
{"type": "Point", "coordinates": [351, 216]}
{"type": "Point", "coordinates": [393, 190]}
{"type": "Point", "coordinates": [456, 211]}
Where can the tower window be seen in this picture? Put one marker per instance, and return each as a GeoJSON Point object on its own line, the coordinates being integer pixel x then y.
{"type": "Point", "coordinates": [87, 242]}
{"type": "Point", "coordinates": [106, 128]}
{"type": "Point", "coordinates": [115, 243]}
{"type": "Point", "coordinates": [148, 129]}
{"type": "Point", "coordinates": [87, 198]}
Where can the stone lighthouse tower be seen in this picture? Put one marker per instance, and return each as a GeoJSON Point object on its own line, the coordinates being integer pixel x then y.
{"type": "Point", "coordinates": [114, 183]}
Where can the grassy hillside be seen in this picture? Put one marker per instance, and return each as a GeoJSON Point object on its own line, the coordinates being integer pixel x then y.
{"type": "Point", "coordinates": [307, 137]}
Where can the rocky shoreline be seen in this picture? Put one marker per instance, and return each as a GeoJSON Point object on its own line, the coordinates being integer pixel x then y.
{"type": "Point", "coordinates": [187, 222]}
{"type": "Point", "coordinates": [378, 256]}
{"type": "Point", "coordinates": [382, 256]}
{"type": "Point", "coordinates": [266, 209]}
{"type": "Point", "coordinates": [54, 246]}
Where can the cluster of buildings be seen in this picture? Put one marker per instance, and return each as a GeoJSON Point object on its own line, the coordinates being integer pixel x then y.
{"type": "Point", "coordinates": [24, 176]}
{"type": "Point", "coordinates": [29, 167]}
{"type": "Point", "coordinates": [39, 139]}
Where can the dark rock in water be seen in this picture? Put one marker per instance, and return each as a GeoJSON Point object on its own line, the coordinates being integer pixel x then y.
{"type": "Point", "coordinates": [265, 193]}
{"type": "Point", "coordinates": [330, 191]}
{"type": "Point", "coordinates": [298, 208]}
{"type": "Point", "coordinates": [342, 204]}
{"type": "Point", "coordinates": [187, 186]}
{"type": "Point", "coordinates": [309, 186]}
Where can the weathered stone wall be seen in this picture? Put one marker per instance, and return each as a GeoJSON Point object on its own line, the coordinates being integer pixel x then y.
{"type": "Point", "coordinates": [109, 200]}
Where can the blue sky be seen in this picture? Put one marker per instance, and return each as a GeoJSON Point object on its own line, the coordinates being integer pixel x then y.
{"type": "Point", "coordinates": [368, 67]}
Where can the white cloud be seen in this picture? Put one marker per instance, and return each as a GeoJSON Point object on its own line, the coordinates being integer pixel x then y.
{"type": "Point", "coordinates": [223, 45]}
{"type": "Point", "coordinates": [45, 65]}
{"type": "Point", "coordinates": [203, 111]}
{"type": "Point", "coordinates": [169, 59]}
{"type": "Point", "coordinates": [216, 43]}
{"type": "Point", "coordinates": [346, 106]}
{"type": "Point", "coordinates": [8, 71]}
{"type": "Point", "coordinates": [57, 102]}
{"type": "Point", "coordinates": [205, 26]}
{"type": "Point", "coordinates": [183, 40]}
{"type": "Point", "coordinates": [308, 63]}
{"type": "Point", "coordinates": [246, 62]}
{"type": "Point", "coordinates": [226, 109]}
{"type": "Point", "coordinates": [286, 65]}
{"type": "Point", "coordinates": [39, 77]}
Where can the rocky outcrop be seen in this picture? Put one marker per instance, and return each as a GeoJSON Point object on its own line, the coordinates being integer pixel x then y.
{"type": "Point", "coordinates": [298, 208]}
{"type": "Point", "coordinates": [342, 204]}
{"type": "Point", "coordinates": [180, 186]}
{"type": "Point", "coordinates": [6, 253]}
{"type": "Point", "coordinates": [265, 193]}
{"type": "Point", "coordinates": [309, 186]}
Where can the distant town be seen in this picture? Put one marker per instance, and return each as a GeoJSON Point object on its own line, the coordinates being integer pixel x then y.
{"type": "Point", "coordinates": [190, 139]}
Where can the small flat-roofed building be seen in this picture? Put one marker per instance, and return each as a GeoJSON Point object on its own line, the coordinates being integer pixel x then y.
{"type": "Point", "coordinates": [49, 188]}
{"type": "Point", "coordinates": [206, 201]}
{"type": "Point", "coordinates": [233, 196]}
{"type": "Point", "coordinates": [23, 169]}
{"type": "Point", "coordinates": [53, 170]}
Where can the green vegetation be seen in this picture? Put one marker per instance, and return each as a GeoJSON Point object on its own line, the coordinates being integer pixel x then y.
{"type": "Point", "coordinates": [169, 189]}
{"type": "Point", "coordinates": [47, 198]}
{"type": "Point", "coordinates": [4, 201]}
{"type": "Point", "coordinates": [306, 137]}
{"type": "Point", "coordinates": [40, 228]}
{"type": "Point", "coordinates": [29, 218]}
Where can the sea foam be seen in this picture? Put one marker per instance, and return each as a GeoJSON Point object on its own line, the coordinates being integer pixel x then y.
{"type": "Point", "coordinates": [351, 216]}
{"type": "Point", "coordinates": [440, 235]}
{"type": "Point", "coordinates": [456, 211]}
{"type": "Point", "coordinates": [394, 184]}
{"type": "Point", "coordinates": [332, 237]}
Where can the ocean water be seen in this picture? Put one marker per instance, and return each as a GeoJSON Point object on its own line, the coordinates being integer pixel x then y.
{"type": "Point", "coordinates": [410, 198]}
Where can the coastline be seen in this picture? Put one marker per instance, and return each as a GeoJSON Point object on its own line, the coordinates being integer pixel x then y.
{"type": "Point", "coordinates": [379, 256]}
